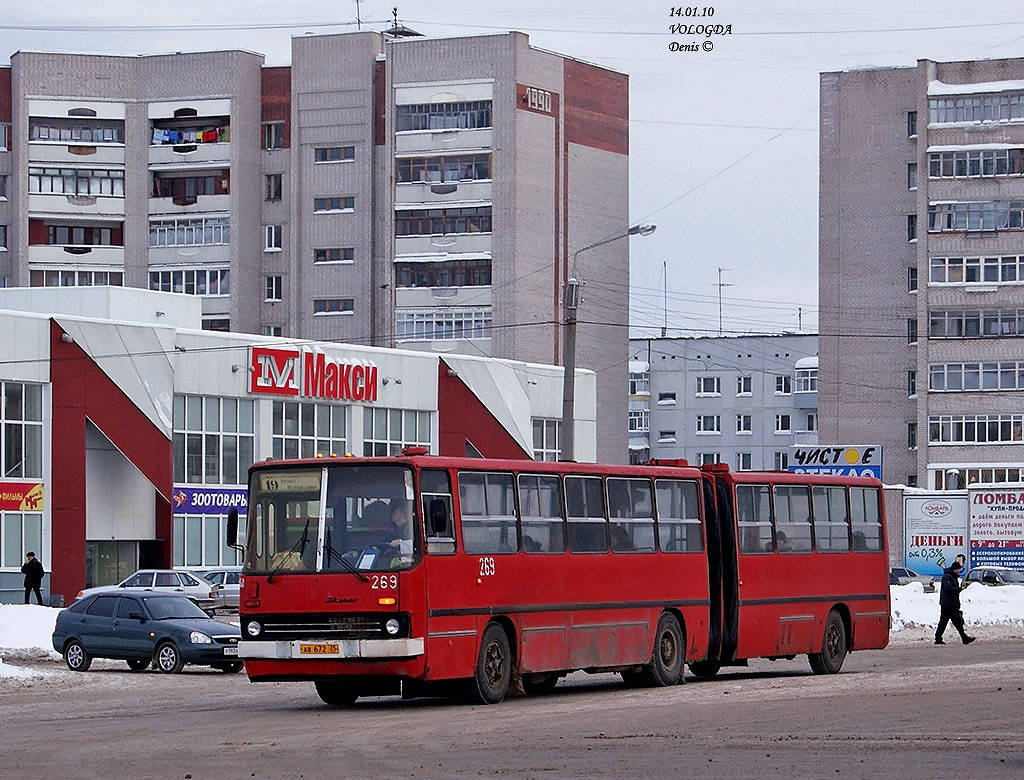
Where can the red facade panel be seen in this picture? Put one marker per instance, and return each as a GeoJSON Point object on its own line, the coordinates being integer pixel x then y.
{"type": "Point", "coordinates": [463, 418]}
{"type": "Point", "coordinates": [596, 107]}
{"type": "Point", "coordinates": [379, 102]}
{"type": "Point", "coordinates": [276, 99]}
{"type": "Point", "coordinates": [5, 94]}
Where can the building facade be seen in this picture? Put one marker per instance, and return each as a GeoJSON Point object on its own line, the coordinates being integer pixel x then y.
{"type": "Point", "coordinates": [740, 400]}
{"type": "Point", "coordinates": [127, 430]}
{"type": "Point", "coordinates": [382, 190]}
{"type": "Point", "coordinates": [921, 268]}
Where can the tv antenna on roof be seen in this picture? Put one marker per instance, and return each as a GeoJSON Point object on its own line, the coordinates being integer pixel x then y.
{"type": "Point", "coordinates": [359, 22]}
{"type": "Point", "coordinates": [720, 285]}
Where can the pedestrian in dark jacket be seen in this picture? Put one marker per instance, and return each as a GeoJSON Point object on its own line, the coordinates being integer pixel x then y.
{"type": "Point", "coordinates": [949, 604]}
{"type": "Point", "coordinates": [33, 571]}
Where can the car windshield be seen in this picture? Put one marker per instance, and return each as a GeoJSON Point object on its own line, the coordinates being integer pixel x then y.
{"type": "Point", "coordinates": [170, 608]}
{"type": "Point", "coordinates": [339, 517]}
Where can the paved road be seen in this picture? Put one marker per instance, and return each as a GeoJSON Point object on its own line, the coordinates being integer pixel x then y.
{"type": "Point", "coordinates": [911, 711]}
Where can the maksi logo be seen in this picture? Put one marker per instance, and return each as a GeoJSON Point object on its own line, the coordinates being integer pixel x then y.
{"type": "Point", "coordinates": [275, 371]}
{"type": "Point", "coordinates": [937, 508]}
{"type": "Point", "coordinates": [311, 373]}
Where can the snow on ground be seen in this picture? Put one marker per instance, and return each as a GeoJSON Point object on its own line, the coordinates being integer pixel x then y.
{"type": "Point", "coordinates": [25, 629]}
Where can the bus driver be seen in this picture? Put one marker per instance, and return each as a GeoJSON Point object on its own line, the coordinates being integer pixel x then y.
{"type": "Point", "coordinates": [399, 535]}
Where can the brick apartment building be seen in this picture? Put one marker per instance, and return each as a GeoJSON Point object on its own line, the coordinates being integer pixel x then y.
{"type": "Point", "coordinates": [381, 189]}
{"type": "Point", "coordinates": [921, 268]}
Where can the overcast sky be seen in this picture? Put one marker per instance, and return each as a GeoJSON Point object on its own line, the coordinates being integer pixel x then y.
{"type": "Point", "coordinates": [723, 143]}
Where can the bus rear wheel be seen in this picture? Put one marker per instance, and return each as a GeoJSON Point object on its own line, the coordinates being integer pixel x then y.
{"type": "Point", "coordinates": [493, 667]}
{"type": "Point", "coordinates": [833, 647]}
{"type": "Point", "coordinates": [666, 666]}
{"type": "Point", "coordinates": [335, 693]}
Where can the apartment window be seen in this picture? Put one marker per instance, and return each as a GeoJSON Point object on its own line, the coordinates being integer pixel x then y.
{"type": "Point", "coordinates": [709, 385]}
{"type": "Point", "coordinates": [744, 385]}
{"type": "Point", "coordinates": [744, 423]}
{"type": "Point", "coordinates": [21, 430]}
{"type": "Point", "coordinates": [976, 429]}
{"type": "Point", "coordinates": [812, 421]}
{"type": "Point", "coordinates": [190, 231]}
{"type": "Point", "coordinates": [709, 423]}
{"type": "Point", "coordinates": [387, 431]}
{"type": "Point", "coordinates": [639, 383]}
{"type": "Point", "coordinates": [274, 186]}
{"type": "Point", "coordinates": [334, 306]}
{"type": "Point", "coordinates": [219, 324]}
{"type": "Point", "coordinates": [911, 227]}
{"type": "Point", "coordinates": [76, 130]}
{"type": "Point", "coordinates": [976, 323]}
{"type": "Point", "coordinates": [666, 399]}
{"type": "Point", "coordinates": [971, 163]}
{"type": "Point", "coordinates": [911, 435]}
{"type": "Point", "coordinates": [911, 480]}
{"type": "Point", "coordinates": [443, 221]}
{"type": "Point", "coordinates": [639, 420]}
{"type": "Point", "coordinates": [912, 279]}
{"type": "Point", "coordinates": [707, 458]}
{"type": "Point", "coordinates": [3, 237]}
{"type": "Point", "coordinates": [457, 115]}
{"type": "Point", "coordinates": [69, 235]}
{"type": "Point", "coordinates": [272, 241]}
{"type": "Point", "coordinates": [3, 188]}
{"type": "Point", "coordinates": [744, 461]}
{"type": "Point", "coordinates": [911, 331]}
{"type": "Point", "coordinates": [326, 154]}
{"type": "Point", "coordinates": [20, 532]}
{"type": "Point", "coordinates": [185, 190]}
{"type": "Point", "coordinates": [69, 277]}
{"type": "Point", "coordinates": [449, 273]}
{"type": "Point", "coordinates": [214, 439]}
{"type": "Point", "coordinates": [781, 461]}
{"type": "Point", "coordinates": [5, 136]}
{"type": "Point", "coordinates": [976, 215]}
{"type": "Point", "coordinates": [997, 107]}
{"type": "Point", "coordinates": [911, 383]}
{"type": "Point", "coordinates": [83, 182]}
{"type": "Point", "coordinates": [783, 423]}
{"type": "Point", "coordinates": [192, 281]}
{"type": "Point", "coordinates": [340, 203]}
{"type": "Point", "coordinates": [273, 330]}
{"type": "Point", "coordinates": [968, 270]}
{"type": "Point", "coordinates": [272, 288]}
{"type": "Point", "coordinates": [442, 324]}
{"type": "Point", "coordinates": [334, 255]}
{"type": "Point", "coordinates": [912, 176]}
{"type": "Point", "coordinates": [273, 135]}
{"type": "Point", "coordinates": [783, 385]}
{"type": "Point", "coordinates": [973, 377]}
{"type": "Point", "coordinates": [666, 437]}
{"type": "Point", "coordinates": [435, 170]}
{"type": "Point", "coordinates": [807, 380]}
{"type": "Point", "coordinates": [308, 430]}
{"type": "Point", "coordinates": [547, 443]}
{"type": "Point", "coordinates": [911, 124]}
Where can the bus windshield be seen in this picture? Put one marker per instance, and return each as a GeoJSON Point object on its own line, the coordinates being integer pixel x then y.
{"type": "Point", "coordinates": [336, 517]}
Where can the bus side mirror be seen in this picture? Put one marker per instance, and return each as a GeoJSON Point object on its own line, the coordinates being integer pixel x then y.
{"type": "Point", "coordinates": [438, 518]}
{"type": "Point", "coordinates": [232, 532]}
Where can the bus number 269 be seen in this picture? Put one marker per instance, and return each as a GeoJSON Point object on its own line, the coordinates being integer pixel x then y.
{"type": "Point", "coordinates": [384, 582]}
{"type": "Point", "coordinates": [487, 567]}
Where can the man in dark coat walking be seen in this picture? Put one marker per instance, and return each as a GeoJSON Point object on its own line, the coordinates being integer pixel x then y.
{"type": "Point", "coordinates": [949, 604]}
{"type": "Point", "coordinates": [33, 571]}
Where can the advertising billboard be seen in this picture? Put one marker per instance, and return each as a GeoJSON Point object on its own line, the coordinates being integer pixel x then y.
{"type": "Point", "coordinates": [997, 527]}
{"type": "Point", "coordinates": [934, 530]}
{"type": "Point", "coordinates": [844, 461]}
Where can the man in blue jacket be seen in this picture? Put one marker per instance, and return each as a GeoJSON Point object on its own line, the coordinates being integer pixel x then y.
{"type": "Point", "coordinates": [949, 604]}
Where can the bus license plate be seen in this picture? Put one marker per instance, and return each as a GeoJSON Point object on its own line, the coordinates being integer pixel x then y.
{"type": "Point", "coordinates": [320, 649]}
{"type": "Point", "coordinates": [230, 651]}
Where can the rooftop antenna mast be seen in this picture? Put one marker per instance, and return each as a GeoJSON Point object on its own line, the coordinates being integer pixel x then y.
{"type": "Point", "coordinates": [664, 277]}
{"type": "Point", "coordinates": [359, 21]}
{"type": "Point", "coordinates": [720, 285]}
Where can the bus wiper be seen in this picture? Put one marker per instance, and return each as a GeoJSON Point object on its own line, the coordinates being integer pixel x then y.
{"type": "Point", "coordinates": [299, 547]}
{"type": "Point", "coordinates": [332, 553]}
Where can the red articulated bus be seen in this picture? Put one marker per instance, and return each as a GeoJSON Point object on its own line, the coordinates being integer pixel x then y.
{"type": "Point", "coordinates": [420, 574]}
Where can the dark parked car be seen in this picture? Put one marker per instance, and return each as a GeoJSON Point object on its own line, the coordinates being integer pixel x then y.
{"type": "Point", "coordinates": [900, 576]}
{"type": "Point", "coordinates": [144, 627]}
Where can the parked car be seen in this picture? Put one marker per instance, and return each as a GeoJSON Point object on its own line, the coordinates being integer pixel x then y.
{"type": "Point", "coordinates": [901, 576]}
{"type": "Point", "coordinates": [144, 627]}
{"type": "Point", "coordinates": [994, 575]}
{"type": "Point", "coordinates": [201, 591]}
{"type": "Point", "coordinates": [227, 580]}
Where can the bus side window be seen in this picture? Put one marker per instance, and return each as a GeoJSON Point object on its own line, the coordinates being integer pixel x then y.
{"type": "Point", "coordinates": [831, 530]}
{"type": "Point", "coordinates": [584, 503]}
{"type": "Point", "coordinates": [438, 520]}
{"type": "Point", "coordinates": [792, 518]}
{"type": "Point", "coordinates": [866, 519]}
{"type": "Point", "coordinates": [631, 515]}
{"type": "Point", "coordinates": [753, 510]}
{"type": "Point", "coordinates": [679, 528]}
{"type": "Point", "coordinates": [488, 512]}
{"type": "Point", "coordinates": [540, 505]}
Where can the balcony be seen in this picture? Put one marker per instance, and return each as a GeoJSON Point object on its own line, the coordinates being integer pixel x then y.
{"type": "Point", "coordinates": [199, 154]}
{"type": "Point", "coordinates": [40, 205]}
{"type": "Point", "coordinates": [443, 140]}
{"type": "Point", "coordinates": [63, 255]}
{"type": "Point", "coordinates": [50, 152]}
{"type": "Point", "coordinates": [187, 205]}
{"type": "Point", "coordinates": [426, 297]}
{"type": "Point", "coordinates": [451, 243]}
{"type": "Point", "coordinates": [440, 192]}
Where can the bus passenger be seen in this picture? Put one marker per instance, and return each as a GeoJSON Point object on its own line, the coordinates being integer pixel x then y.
{"type": "Point", "coordinates": [785, 545]}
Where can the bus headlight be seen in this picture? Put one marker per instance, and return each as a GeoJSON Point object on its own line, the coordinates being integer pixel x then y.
{"type": "Point", "coordinates": [392, 626]}
{"type": "Point", "coordinates": [253, 628]}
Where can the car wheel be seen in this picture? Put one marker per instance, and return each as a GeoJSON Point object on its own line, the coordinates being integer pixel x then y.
{"type": "Point", "coordinates": [139, 664]}
{"type": "Point", "coordinates": [168, 658]}
{"type": "Point", "coordinates": [77, 657]}
{"type": "Point", "coordinates": [229, 668]}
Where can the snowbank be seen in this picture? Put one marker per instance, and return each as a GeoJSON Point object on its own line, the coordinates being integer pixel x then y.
{"type": "Point", "coordinates": [25, 629]}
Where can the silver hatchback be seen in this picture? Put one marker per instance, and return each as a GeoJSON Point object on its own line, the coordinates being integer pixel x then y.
{"type": "Point", "coordinates": [197, 589]}
{"type": "Point", "coordinates": [227, 580]}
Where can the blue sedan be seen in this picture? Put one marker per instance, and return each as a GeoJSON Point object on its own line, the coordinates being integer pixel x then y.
{"type": "Point", "coordinates": [143, 628]}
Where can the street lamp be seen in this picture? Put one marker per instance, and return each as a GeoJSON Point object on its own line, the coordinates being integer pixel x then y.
{"type": "Point", "coordinates": [572, 303]}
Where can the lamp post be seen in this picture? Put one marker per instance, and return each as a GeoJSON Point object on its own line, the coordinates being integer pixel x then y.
{"type": "Point", "coordinates": [572, 304]}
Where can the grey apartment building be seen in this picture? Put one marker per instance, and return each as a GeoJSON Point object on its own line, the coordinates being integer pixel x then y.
{"type": "Point", "coordinates": [742, 400]}
{"type": "Point", "coordinates": [381, 189]}
{"type": "Point", "coordinates": [922, 268]}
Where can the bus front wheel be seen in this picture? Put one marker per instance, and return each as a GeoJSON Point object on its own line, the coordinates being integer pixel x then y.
{"type": "Point", "coordinates": [493, 667]}
{"type": "Point", "coordinates": [833, 647]}
{"type": "Point", "coordinates": [666, 666]}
